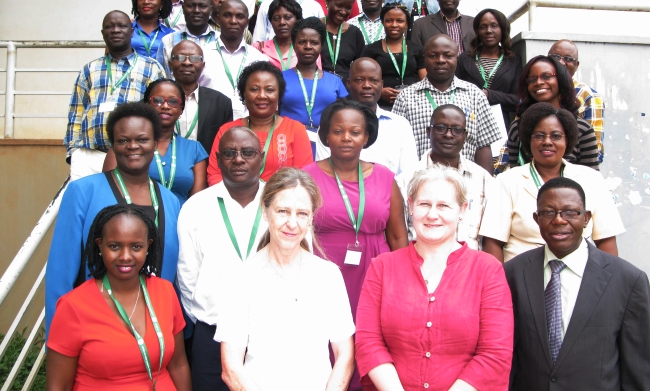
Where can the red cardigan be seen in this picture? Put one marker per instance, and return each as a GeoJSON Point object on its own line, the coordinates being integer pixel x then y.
{"type": "Point", "coordinates": [464, 330]}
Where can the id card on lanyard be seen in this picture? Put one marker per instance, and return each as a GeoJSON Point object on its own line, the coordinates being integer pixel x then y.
{"type": "Point", "coordinates": [354, 250]}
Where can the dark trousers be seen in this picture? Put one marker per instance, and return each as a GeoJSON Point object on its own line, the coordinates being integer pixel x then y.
{"type": "Point", "coordinates": [206, 360]}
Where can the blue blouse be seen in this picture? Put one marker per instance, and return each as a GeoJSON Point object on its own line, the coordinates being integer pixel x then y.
{"type": "Point", "coordinates": [188, 153]}
{"type": "Point", "coordinates": [157, 49]}
{"type": "Point", "coordinates": [329, 89]}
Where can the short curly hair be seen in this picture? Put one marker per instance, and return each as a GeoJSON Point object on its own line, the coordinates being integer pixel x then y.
{"type": "Point", "coordinates": [372, 124]}
{"type": "Point", "coordinates": [134, 109]}
{"type": "Point", "coordinates": [261, 66]}
{"type": "Point", "coordinates": [153, 84]}
{"type": "Point", "coordinates": [290, 5]}
{"type": "Point", "coordinates": [309, 23]}
{"type": "Point", "coordinates": [165, 11]}
{"type": "Point", "coordinates": [94, 260]}
{"type": "Point", "coordinates": [540, 111]}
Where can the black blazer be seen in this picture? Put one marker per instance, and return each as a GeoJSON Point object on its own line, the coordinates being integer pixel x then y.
{"type": "Point", "coordinates": [503, 89]}
{"type": "Point", "coordinates": [215, 109]}
{"type": "Point", "coordinates": [433, 24]}
{"type": "Point", "coordinates": [607, 343]}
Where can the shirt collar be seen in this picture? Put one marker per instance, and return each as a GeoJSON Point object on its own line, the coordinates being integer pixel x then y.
{"type": "Point", "coordinates": [461, 164]}
{"type": "Point", "coordinates": [364, 16]}
{"type": "Point", "coordinates": [222, 192]}
{"type": "Point", "coordinates": [209, 30]}
{"type": "Point", "coordinates": [129, 59]}
{"type": "Point", "coordinates": [195, 94]}
{"type": "Point", "coordinates": [425, 84]}
{"type": "Point", "coordinates": [242, 44]}
{"type": "Point", "coordinates": [383, 114]}
{"type": "Point", "coordinates": [576, 261]}
{"type": "Point", "coordinates": [458, 16]}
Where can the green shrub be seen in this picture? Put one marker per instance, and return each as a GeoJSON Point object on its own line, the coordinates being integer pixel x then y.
{"type": "Point", "coordinates": [11, 354]}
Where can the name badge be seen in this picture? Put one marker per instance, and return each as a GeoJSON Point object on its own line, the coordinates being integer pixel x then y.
{"type": "Point", "coordinates": [353, 254]}
{"type": "Point", "coordinates": [416, 17]}
{"type": "Point", "coordinates": [107, 107]}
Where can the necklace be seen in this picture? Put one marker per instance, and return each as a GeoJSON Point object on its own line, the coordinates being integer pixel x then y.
{"type": "Point", "coordinates": [136, 300]}
{"type": "Point", "coordinates": [284, 275]}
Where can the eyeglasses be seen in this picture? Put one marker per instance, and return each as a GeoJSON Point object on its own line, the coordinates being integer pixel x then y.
{"type": "Point", "coordinates": [247, 154]}
{"type": "Point", "coordinates": [442, 129]}
{"type": "Point", "coordinates": [567, 59]}
{"type": "Point", "coordinates": [565, 214]}
{"type": "Point", "coordinates": [159, 101]}
{"type": "Point", "coordinates": [543, 136]}
{"type": "Point", "coordinates": [543, 76]}
{"type": "Point", "coordinates": [182, 58]}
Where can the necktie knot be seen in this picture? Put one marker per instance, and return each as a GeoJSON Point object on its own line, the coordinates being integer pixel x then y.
{"type": "Point", "coordinates": [556, 266]}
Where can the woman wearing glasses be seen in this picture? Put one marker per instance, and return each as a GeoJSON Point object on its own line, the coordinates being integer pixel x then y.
{"type": "Point", "coordinates": [179, 164]}
{"type": "Point", "coordinates": [401, 60]}
{"type": "Point", "coordinates": [283, 141]}
{"type": "Point", "coordinates": [544, 79]}
{"type": "Point", "coordinates": [547, 134]}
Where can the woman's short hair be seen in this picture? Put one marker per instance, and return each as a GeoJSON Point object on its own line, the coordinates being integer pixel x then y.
{"type": "Point", "coordinates": [93, 259]}
{"type": "Point", "coordinates": [261, 66]}
{"type": "Point", "coordinates": [567, 92]}
{"type": "Point", "coordinates": [134, 109]}
{"type": "Point", "coordinates": [309, 23]}
{"type": "Point", "coordinates": [153, 84]}
{"type": "Point", "coordinates": [506, 42]}
{"type": "Point", "coordinates": [164, 12]}
{"type": "Point", "coordinates": [290, 5]}
{"type": "Point", "coordinates": [436, 172]}
{"type": "Point", "coordinates": [538, 112]}
{"type": "Point", "coordinates": [394, 6]}
{"type": "Point", "coordinates": [372, 124]}
{"type": "Point", "coordinates": [290, 178]}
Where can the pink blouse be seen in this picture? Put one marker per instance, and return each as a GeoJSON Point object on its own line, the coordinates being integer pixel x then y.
{"type": "Point", "coordinates": [463, 330]}
{"type": "Point", "coordinates": [268, 48]}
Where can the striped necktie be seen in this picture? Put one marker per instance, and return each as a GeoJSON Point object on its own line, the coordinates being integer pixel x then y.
{"type": "Point", "coordinates": [553, 299]}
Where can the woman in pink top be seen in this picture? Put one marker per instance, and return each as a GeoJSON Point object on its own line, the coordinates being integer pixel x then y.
{"type": "Point", "coordinates": [436, 315]}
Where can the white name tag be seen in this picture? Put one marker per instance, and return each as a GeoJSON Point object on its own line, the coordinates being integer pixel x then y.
{"type": "Point", "coordinates": [107, 107]}
{"type": "Point", "coordinates": [353, 255]}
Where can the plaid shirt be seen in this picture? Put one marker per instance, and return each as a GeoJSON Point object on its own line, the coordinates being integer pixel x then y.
{"type": "Point", "coordinates": [453, 30]}
{"type": "Point", "coordinates": [371, 26]}
{"type": "Point", "coordinates": [592, 110]}
{"type": "Point", "coordinates": [86, 125]}
{"type": "Point", "coordinates": [482, 128]}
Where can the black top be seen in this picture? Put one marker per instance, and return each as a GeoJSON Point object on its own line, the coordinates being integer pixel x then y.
{"type": "Point", "coordinates": [352, 44]}
{"type": "Point", "coordinates": [414, 62]}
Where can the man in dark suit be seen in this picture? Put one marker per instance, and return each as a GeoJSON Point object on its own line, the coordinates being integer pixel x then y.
{"type": "Point", "coordinates": [582, 316]}
{"type": "Point", "coordinates": [448, 21]}
{"type": "Point", "coordinates": [205, 109]}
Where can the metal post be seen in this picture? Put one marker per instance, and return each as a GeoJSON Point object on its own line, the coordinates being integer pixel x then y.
{"type": "Point", "coordinates": [10, 90]}
{"type": "Point", "coordinates": [531, 16]}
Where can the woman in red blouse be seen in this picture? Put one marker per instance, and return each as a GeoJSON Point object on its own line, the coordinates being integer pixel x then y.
{"type": "Point", "coordinates": [436, 315]}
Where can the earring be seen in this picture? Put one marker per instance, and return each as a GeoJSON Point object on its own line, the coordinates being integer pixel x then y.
{"type": "Point", "coordinates": [100, 254]}
{"type": "Point", "coordinates": [147, 253]}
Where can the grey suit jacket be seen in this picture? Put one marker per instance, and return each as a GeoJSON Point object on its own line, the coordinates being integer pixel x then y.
{"type": "Point", "coordinates": [607, 342]}
{"type": "Point", "coordinates": [430, 25]}
{"type": "Point", "coordinates": [215, 109]}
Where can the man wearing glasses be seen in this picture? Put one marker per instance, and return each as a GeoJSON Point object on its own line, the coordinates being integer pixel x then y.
{"type": "Point", "coordinates": [581, 315]}
{"type": "Point", "coordinates": [447, 133]}
{"type": "Point", "coordinates": [205, 109]}
{"type": "Point", "coordinates": [218, 229]}
{"type": "Point", "coordinates": [592, 107]}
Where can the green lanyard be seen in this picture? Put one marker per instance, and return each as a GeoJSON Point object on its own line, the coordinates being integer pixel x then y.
{"type": "Point", "coordinates": [144, 41]}
{"type": "Point", "coordinates": [535, 175]}
{"type": "Point", "coordinates": [392, 57]}
{"type": "Point", "coordinates": [124, 76]}
{"type": "Point", "coordinates": [365, 33]}
{"type": "Point", "coordinates": [480, 67]}
{"type": "Point", "coordinates": [356, 223]}
{"type": "Point", "coordinates": [225, 66]}
{"type": "Point", "coordinates": [184, 38]}
{"type": "Point", "coordinates": [419, 3]}
{"type": "Point", "coordinates": [127, 197]}
{"type": "Point", "coordinates": [433, 102]}
{"type": "Point", "coordinates": [308, 103]}
{"type": "Point", "coordinates": [231, 233]}
{"type": "Point", "coordinates": [141, 345]}
{"type": "Point", "coordinates": [334, 56]}
{"type": "Point", "coordinates": [172, 171]}
{"type": "Point", "coordinates": [281, 57]}
{"type": "Point", "coordinates": [192, 125]}
{"type": "Point", "coordinates": [172, 25]}
{"type": "Point", "coordinates": [267, 143]}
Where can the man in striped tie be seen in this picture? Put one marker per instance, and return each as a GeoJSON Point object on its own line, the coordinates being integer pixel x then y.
{"type": "Point", "coordinates": [582, 316]}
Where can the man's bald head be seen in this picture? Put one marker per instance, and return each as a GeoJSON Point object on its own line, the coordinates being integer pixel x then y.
{"type": "Point", "coordinates": [441, 39]}
{"type": "Point", "coordinates": [566, 52]}
{"type": "Point", "coordinates": [237, 132]}
{"type": "Point", "coordinates": [365, 63]}
{"type": "Point", "coordinates": [187, 72]}
{"type": "Point", "coordinates": [440, 60]}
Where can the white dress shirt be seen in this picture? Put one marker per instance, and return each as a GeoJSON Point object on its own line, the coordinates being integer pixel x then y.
{"type": "Point", "coordinates": [394, 147]}
{"type": "Point", "coordinates": [570, 278]}
{"type": "Point", "coordinates": [218, 79]}
{"type": "Point", "coordinates": [190, 111]}
{"type": "Point", "coordinates": [264, 30]}
{"type": "Point", "coordinates": [177, 9]}
{"type": "Point", "coordinates": [207, 259]}
{"type": "Point", "coordinates": [287, 321]}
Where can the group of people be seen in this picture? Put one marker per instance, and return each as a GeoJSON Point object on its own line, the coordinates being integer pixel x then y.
{"type": "Point", "coordinates": [315, 205]}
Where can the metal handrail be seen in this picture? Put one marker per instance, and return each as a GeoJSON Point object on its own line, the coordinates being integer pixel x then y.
{"type": "Point", "coordinates": [530, 6]}
{"type": "Point", "coordinates": [11, 70]}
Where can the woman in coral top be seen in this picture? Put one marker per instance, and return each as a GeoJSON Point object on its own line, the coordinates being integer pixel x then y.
{"type": "Point", "coordinates": [435, 315]}
{"type": "Point", "coordinates": [284, 141]}
{"type": "Point", "coordinates": [122, 329]}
